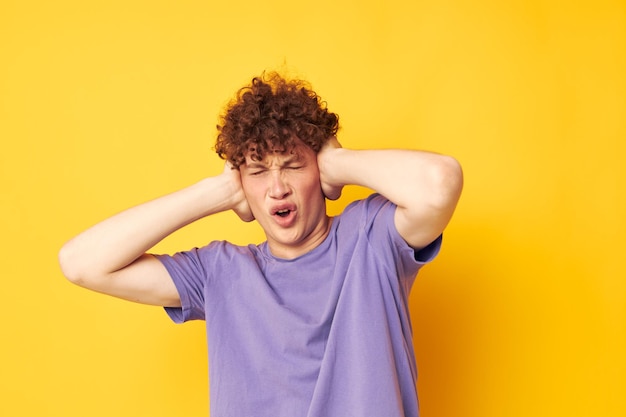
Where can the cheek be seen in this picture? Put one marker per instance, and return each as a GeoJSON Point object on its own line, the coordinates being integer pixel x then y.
{"type": "Point", "coordinates": [313, 189]}
{"type": "Point", "coordinates": [251, 191]}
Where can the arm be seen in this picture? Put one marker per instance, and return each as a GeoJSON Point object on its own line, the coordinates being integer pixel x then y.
{"type": "Point", "coordinates": [425, 186]}
{"type": "Point", "coordinates": [110, 256]}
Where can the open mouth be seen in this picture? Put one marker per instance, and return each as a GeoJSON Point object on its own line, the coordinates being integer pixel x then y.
{"type": "Point", "coordinates": [283, 213]}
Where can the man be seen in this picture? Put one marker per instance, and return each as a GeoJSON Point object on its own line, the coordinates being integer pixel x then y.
{"type": "Point", "coordinates": [314, 321]}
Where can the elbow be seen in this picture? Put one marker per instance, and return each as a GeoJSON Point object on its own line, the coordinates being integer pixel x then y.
{"type": "Point", "coordinates": [447, 180]}
{"type": "Point", "coordinates": [69, 264]}
{"type": "Point", "coordinates": [453, 173]}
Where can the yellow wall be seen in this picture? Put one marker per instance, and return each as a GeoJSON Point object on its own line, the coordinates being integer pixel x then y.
{"type": "Point", "coordinates": [107, 104]}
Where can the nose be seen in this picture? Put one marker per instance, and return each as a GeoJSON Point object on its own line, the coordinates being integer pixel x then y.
{"type": "Point", "coordinates": [279, 189]}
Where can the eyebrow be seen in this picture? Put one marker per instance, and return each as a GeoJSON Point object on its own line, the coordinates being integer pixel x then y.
{"type": "Point", "coordinates": [258, 164]}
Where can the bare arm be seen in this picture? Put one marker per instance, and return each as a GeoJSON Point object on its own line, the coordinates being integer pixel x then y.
{"type": "Point", "coordinates": [425, 186]}
{"type": "Point", "coordinates": [110, 256]}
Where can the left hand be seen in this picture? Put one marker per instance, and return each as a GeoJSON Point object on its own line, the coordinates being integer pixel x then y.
{"type": "Point", "coordinates": [331, 190]}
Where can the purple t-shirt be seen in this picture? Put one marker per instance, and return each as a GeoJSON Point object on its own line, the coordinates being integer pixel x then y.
{"type": "Point", "coordinates": [326, 334]}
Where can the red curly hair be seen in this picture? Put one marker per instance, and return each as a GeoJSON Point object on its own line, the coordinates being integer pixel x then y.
{"type": "Point", "coordinates": [268, 115]}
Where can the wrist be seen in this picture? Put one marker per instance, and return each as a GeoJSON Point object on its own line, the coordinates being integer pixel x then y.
{"type": "Point", "coordinates": [214, 194]}
{"type": "Point", "coordinates": [232, 193]}
{"type": "Point", "coordinates": [330, 164]}
{"type": "Point", "coordinates": [333, 167]}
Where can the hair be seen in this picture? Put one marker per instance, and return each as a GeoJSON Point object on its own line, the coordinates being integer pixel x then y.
{"type": "Point", "coordinates": [269, 115]}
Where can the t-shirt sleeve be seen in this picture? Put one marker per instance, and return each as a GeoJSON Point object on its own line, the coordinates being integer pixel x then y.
{"type": "Point", "coordinates": [383, 235]}
{"type": "Point", "coordinates": [188, 273]}
{"type": "Point", "coordinates": [430, 252]}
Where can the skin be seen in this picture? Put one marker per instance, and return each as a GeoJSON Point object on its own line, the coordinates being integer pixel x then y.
{"type": "Point", "coordinates": [425, 186]}
{"type": "Point", "coordinates": [285, 196]}
{"type": "Point", "coordinates": [111, 256]}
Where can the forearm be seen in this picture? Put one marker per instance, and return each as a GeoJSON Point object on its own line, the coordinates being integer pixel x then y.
{"type": "Point", "coordinates": [406, 177]}
{"type": "Point", "coordinates": [119, 240]}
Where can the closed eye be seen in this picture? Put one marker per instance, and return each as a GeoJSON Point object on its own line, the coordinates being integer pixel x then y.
{"type": "Point", "coordinates": [256, 172]}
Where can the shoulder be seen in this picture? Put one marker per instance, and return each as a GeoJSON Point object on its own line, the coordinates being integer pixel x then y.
{"type": "Point", "coordinates": [374, 218]}
{"type": "Point", "coordinates": [368, 209]}
{"type": "Point", "coordinates": [210, 254]}
{"type": "Point", "coordinates": [369, 218]}
{"type": "Point", "coordinates": [371, 204]}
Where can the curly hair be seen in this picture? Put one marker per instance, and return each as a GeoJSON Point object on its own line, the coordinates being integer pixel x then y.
{"type": "Point", "coordinates": [268, 115]}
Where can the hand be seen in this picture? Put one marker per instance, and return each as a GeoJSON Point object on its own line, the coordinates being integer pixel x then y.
{"type": "Point", "coordinates": [240, 206]}
{"type": "Point", "coordinates": [331, 190]}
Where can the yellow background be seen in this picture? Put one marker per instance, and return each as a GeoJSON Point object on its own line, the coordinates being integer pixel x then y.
{"type": "Point", "coordinates": [106, 104]}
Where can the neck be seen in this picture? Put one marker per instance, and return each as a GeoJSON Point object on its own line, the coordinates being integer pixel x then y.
{"type": "Point", "coordinates": [310, 242]}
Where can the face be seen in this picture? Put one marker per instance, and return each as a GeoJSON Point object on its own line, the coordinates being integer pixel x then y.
{"type": "Point", "coordinates": [285, 196]}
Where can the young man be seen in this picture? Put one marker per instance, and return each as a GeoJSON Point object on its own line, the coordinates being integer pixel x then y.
{"type": "Point", "coordinates": [314, 321]}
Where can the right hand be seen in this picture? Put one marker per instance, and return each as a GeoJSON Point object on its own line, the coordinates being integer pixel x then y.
{"type": "Point", "coordinates": [240, 205]}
